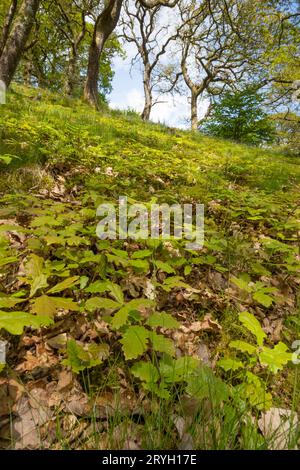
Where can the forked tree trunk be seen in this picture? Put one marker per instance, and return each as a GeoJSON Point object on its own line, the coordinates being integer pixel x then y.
{"type": "Point", "coordinates": [16, 41]}
{"type": "Point", "coordinates": [104, 26]}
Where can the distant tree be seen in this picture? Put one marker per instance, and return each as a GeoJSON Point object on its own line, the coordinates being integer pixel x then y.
{"type": "Point", "coordinates": [211, 56]}
{"type": "Point", "coordinates": [287, 132]}
{"type": "Point", "coordinates": [223, 42]}
{"type": "Point", "coordinates": [56, 56]}
{"type": "Point", "coordinates": [240, 116]}
{"type": "Point", "coordinates": [145, 29]}
{"type": "Point", "coordinates": [104, 26]}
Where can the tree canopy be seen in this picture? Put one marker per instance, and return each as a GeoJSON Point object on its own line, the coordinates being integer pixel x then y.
{"type": "Point", "coordinates": [240, 116]}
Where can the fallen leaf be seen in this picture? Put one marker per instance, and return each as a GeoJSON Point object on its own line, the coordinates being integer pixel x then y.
{"type": "Point", "coordinates": [58, 342]}
{"type": "Point", "coordinates": [187, 442]}
{"type": "Point", "coordinates": [206, 324]}
{"type": "Point", "coordinates": [65, 381]}
{"type": "Point", "coordinates": [278, 425]}
{"type": "Point", "coordinates": [25, 429]}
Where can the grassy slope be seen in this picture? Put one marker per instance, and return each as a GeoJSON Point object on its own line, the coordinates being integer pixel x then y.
{"type": "Point", "coordinates": [249, 194]}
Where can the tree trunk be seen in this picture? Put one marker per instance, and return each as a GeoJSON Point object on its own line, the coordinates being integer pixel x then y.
{"type": "Point", "coordinates": [7, 24]}
{"type": "Point", "coordinates": [194, 111]}
{"type": "Point", "coordinates": [17, 39]}
{"type": "Point", "coordinates": [148, 94]}
{"type": "Point", "coordinates": [70, 75]}
{"type": "Point", "coordinates": [27, 72]}
{"type": "Point", "coordinates": [104, 26]}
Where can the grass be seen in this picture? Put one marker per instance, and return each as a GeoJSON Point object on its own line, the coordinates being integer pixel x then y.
{"type": "Point", "coordinates": [69, 159]}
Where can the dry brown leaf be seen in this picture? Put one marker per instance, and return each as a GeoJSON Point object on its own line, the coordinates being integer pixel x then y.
{"type": "Point", "coordinates": [38, 397]}
{"type": "Point", "coordinates": [276, 334]}
{"type": "Point", "coordinates": [78, 404]}
{"type": "Point", "coordinates": [206, 324]}
{"type": "Point", "coordinates": [58, 341]}
{"type": "Point", "coordinates": [127, 435]}
{"type": "Point", "coordinates": [42, 359]}
{"type": "Point", "coordinates": [187, 442]}
{"type": "Point", "coordinates": [277, 424]}
{"type": "Point", "coordinates": [180, 425]}
{"type": "Point", "coordinates": [65, 381]}
{"type": "Point", "coordinates": [25, 429]}
{"type": "Point", "coordinates": [10, 393]}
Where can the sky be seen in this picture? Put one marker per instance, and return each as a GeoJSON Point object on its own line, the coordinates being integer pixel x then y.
{"type": "Point", "coordinates": [128, 94]}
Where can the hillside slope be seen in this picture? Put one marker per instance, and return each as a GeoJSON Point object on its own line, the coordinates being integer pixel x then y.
{"type": "Point", "coordinates": [144, 325]}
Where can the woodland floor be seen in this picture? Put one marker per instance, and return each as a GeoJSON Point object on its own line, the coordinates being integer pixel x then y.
{"type": "Point", "coordinates": [143, 344]}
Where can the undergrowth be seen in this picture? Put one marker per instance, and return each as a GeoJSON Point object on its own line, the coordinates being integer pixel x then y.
{"type": "Point", "coordinates": [174, 348]}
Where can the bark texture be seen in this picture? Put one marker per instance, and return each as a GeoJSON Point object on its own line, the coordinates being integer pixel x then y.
{"type": "Point", "coordinates": [104, 26]}
{"type": "Point", "coordinates": [16, 41]}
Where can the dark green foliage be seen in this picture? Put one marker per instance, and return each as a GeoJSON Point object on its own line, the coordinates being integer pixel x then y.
{"type": "Point", "coordinates": [240, 116]}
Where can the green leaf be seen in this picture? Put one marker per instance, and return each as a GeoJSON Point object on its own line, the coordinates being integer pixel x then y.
{"type": "Point", "coordinates": [95, 303]}
{"type": "Point", "coordinates": [141, 254]}
{"type": "Point", "coordinates": [163, 320]}
{"type": "Point", "coordinates": [160, 390]}
{"type": "Point", "coordinates": [34, 266]}
{"type": "Point", "coordinates": [46, 220]}
{"type": "Point", "coordinates": [34, 272]}
{"type": "Point", "coordinates": [263, 299]}
{"type": "Point", "coordinates": [11, 228]}
{"type": "Point", "coordinates": [65, 284]}
{"type": "Point", "coordinates": [230, 364]}
{"type": "Point", "coordinates": [10, 302]}
{"type": "Point", "coordinates": [145, 371]}
{"type": "Point", "coordinates": [255, 391]}
{"type": "Point", "coordinates": [175, 281]}
{"type": "Point", "coordinates": [80, 358]}
{"type": "Point", "coordinates": [54, 240]}
{"type": "Point", "coordinates": [107, 286]}
{"type": "Point", "coordinates": [83, 282]}
{"type": "Point", "coordinates": [243, 346]}
{"type": "Point", "coordinates": [8, 260]}
{"type": "Point", "coordinates": [14, 322]}
{"type": "Point", "coordinates": [187, 270]}
{"type": "Point", "coordinates": [120, 253]}
{"type": "Point", "coordinates": [241, 283]}
{"type": "Point", "coordinates": [204, 384]}
{"type": "Point", "coordinates": [165, 267]}
{"type": "Point", "coordinates": [257, 396]}
{"type": "Point", "coordinates": [275, 359]}
{"type": "Point", "coordinates": [134, 341]}
{"type": "Point", "coordinates": [259, 269]}
{"type": "Point", "coordinates": [139, 264]}
{"type": "Point", "coordinates": [121, 316]}
{"type": "Point", "coordinates": [6, 159]}
{"type": "Point", "coordinates": [97, 287]}
{"type": "Point", "coordinates": [177, 370]}
{"type": "Point", "coordinates": [116, 292]}
{"type": "Point", "coordinates": [253, 325]}
{"type": "Point", "coordinates": [162, 344]}
{"type": "Point", "coordinates": [39, 282]}
{"type": "Point", "coordinates": [46, 305]}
